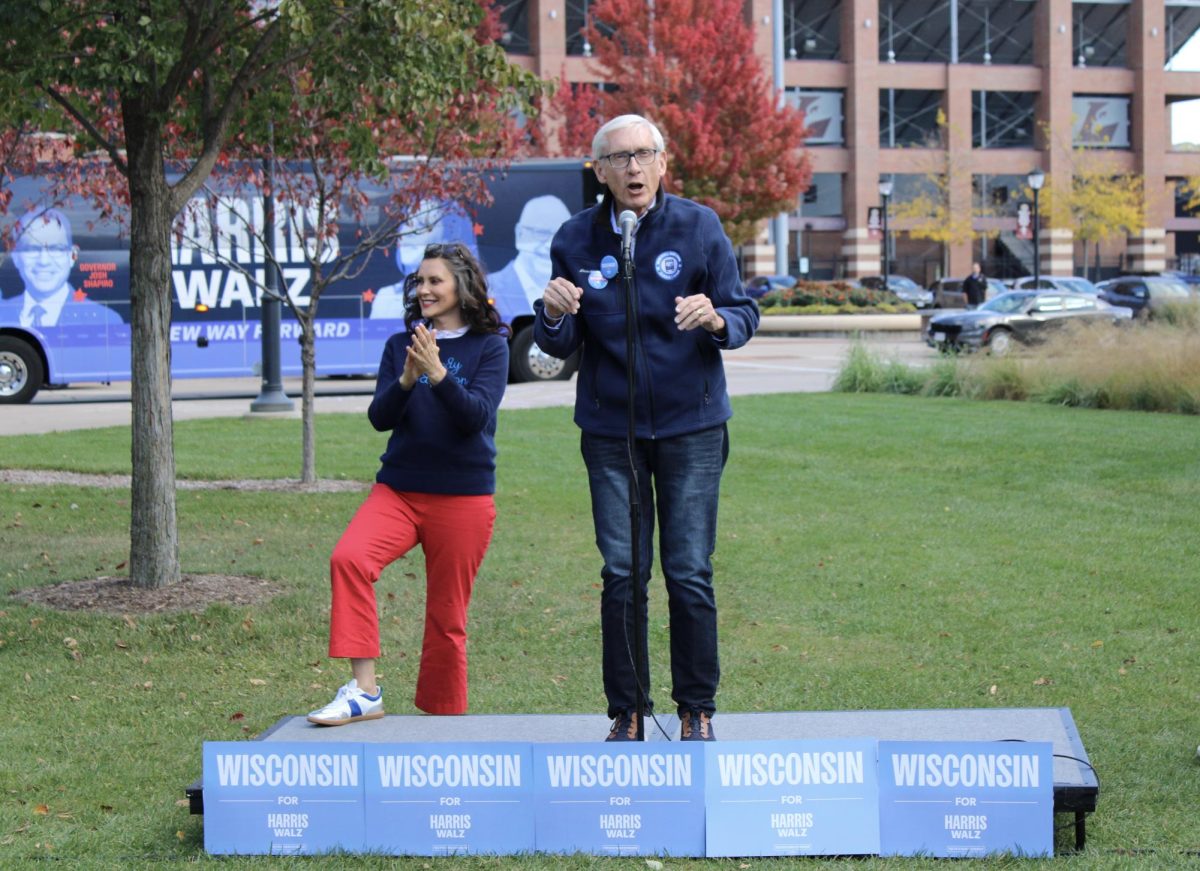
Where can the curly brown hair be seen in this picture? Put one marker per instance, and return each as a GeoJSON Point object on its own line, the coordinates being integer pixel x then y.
{"type": "Point", "coordinates": [470, 284]}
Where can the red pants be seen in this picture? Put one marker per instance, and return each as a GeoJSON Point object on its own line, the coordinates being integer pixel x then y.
{"type": "Point", "coordinates": [454, 532]}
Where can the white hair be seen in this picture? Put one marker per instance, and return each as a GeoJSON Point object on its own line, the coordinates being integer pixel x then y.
{"type": "Point", "coordinates": [621, 122]}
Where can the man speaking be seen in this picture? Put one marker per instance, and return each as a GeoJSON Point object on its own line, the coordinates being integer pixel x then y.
{"type": "Point", "coordinates": [689, 305]}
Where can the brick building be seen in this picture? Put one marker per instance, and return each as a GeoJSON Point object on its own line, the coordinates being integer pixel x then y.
{"type": "Point", "coordinates": [1017, 84]}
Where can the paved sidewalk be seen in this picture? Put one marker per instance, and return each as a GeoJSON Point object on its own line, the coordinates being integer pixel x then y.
{"type": "Point", "coordinates": [770, 363]}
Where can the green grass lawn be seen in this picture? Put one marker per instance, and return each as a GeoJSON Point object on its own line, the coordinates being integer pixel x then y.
{"type": "Point", "coordinates": [874, 551]}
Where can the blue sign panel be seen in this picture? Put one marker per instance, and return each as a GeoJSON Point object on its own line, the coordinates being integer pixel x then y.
{"type": "Point", "coordinates": [438, 799]}
{"type": "Point", "coordinates": [290, 797]}
{"type": "Point", "coordinates": [620, 799]}
{"type": "Point", "coordinates": [792, 798]}
{"type": "Point", "coordinates": [966, 798]}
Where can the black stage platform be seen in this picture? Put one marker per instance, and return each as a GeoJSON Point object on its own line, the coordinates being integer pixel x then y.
{"type": "Point", "coordinates": [1076, 786]}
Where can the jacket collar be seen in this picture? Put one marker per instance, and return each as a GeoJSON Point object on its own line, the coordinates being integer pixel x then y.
{"type": "Point", "coordinates": [604, 211]}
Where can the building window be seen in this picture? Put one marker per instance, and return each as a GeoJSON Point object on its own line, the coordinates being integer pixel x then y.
{"type": "Point", "coordinates": [911, 31]}
{"type": "Point", "coordinates": [1183, 45]}
{"type": "Point", "coordinates": [911, 186]}
{"type": "Point", "coordinates": [823, 115]}
{"type": "Point", "coordinates": [908, 117]}
{"type": "Point", "coordinates": [812, 29]}
{"type": "Point", "coordinates": [1101, 34]}
{"type": "Point", "coordinates": [956, 31]}
{"type": "Point", "coordinates": [823, 199]}
{"type": "Point", "coordinates": [514, 23]}
{"type": "Point", "coordinates": [1185, 123]}
{"type": "Point", "coordinates": [579, 16]}
{"type": "Point", "coordinates": [996, 196]}
{"type": "Point", "coordinates": [1100, 121]}
{"type": "Point", "coordinates": [1002, 119]}
{"type": "Point", "coordinates": [995, 32]}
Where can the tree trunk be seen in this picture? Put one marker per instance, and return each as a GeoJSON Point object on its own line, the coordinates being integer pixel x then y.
{"type": "Point", "coordinates": [154, 534]}
{"type": "Point", "coordinates": [308, 362]}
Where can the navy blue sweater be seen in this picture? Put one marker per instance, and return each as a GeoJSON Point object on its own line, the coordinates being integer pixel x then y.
{"type": "Point", "coordinates": [680, 249]}
{"type": "Point", "coordinates": [443, 437]}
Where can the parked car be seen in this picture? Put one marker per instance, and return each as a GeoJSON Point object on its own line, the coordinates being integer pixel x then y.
{"type": "Point", "coordinates": [1141, 294]}
{"type": "Point", "coordinates": [1017, 317]}
{"type": "Point", "coordinates": [901, 285]}
{"type": "Point", "coordinates": [1189, 278]}
{"type": "Point", "coordinates": [948, 292]}
{"type": "Point", "coordinates": [1072, 283]}
{"type": "Point", "coordinates": [760, 285]}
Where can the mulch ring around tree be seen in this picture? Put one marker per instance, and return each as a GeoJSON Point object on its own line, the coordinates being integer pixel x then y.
{"type": "Point", "coordinates": [193, 594]}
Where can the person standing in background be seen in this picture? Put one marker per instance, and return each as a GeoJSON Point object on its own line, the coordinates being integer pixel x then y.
{"type": "Point", "coordinates": [975, 287]}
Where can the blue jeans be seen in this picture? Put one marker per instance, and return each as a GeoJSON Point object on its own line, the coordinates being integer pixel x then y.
{"type": "Point", "coordinates": [686, 473]}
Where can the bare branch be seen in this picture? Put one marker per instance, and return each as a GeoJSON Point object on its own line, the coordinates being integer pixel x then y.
{"type": "Point", "coordinates": [109, 146]}
{"type": "Point", "coordinates": [216, 125]}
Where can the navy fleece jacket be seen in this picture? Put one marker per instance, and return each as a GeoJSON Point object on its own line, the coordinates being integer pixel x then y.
{"type": "Point", "coordinates": [680, 249]}
{"type": "Point", "coordinates": [443, 437]}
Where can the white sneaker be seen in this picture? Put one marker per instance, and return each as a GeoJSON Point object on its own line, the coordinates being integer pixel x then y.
{"type": "Point", "coordinates": [350, 704]}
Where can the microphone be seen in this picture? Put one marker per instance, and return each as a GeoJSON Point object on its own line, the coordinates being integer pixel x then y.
{"type": "Point", "coordinates": [627, 220]}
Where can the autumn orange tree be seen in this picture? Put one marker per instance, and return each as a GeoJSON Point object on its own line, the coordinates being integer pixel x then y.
{"type": "Point", "coordinates": [565, 121]}
{"type": "Point", "coordinates": [690, 66]}
{"type": "Point", "coordinates": [14, 156]}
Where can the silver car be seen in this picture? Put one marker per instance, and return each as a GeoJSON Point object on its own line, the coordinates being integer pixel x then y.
{"type": "Point", "coordinates": [1072, 283]}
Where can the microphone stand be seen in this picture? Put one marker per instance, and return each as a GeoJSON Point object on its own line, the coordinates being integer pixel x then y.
{"type": "Point", "coordinates": [635, 502]}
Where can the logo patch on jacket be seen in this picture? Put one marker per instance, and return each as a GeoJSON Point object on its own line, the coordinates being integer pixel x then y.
{"type": "Point", "coordinates": [668, 265]}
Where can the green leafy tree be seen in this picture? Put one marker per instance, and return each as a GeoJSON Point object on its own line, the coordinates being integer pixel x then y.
{"type": "Point", "coordinates": [1097, 204]}
{"type": "Point", "coordinates": [926, 209]}
{"type": "Point", "coordinates": [159, 85]}
{"type": "Point", "coordinates": [1190, 187]}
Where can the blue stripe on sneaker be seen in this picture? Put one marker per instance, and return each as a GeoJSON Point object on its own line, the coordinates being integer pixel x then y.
{"type": "Point", "coordinates": [355, 710]}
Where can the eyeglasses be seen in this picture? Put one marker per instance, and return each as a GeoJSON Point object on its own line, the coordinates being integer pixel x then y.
{"type": "Point", "coordinates": [535, 235]}
{"type": "Point", "coordinates": [53, 250]}
{"type": "Point", "coordinates": [446, 249]}
{"type": "Point", "coordinates": [620, 159]}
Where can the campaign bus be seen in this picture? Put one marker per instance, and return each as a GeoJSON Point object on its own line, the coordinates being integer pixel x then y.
{"type": "Point", "coordinates": [64, 281]}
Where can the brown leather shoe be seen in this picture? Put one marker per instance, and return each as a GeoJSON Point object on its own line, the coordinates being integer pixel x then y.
{"type": "Point", "coordinates": [696, 726]}
{"type": "Point", "coordinates": [624, 727]}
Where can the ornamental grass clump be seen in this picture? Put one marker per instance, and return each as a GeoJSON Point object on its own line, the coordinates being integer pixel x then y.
{"type": "Point", "coordinates": [865, 372]}
{"type": "Point", "coordinates": [1149, 365]}
{"type": "Point", "coordinates": [1143, 366]}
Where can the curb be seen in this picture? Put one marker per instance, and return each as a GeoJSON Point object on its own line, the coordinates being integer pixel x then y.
{"type": "Point", "coordinates": [839, 324]}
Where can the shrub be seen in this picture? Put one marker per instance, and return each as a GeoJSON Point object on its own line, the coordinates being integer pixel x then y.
{"type": "Point", "coordinates": [838, 296]}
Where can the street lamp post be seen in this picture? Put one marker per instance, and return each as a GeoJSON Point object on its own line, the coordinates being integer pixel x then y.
{"type": "Point", "coordinates": [885, 193]}
{"type": "Point", "coordinates": [1036, 179]}
{"type": "Point", "coordinates": [271, 396]}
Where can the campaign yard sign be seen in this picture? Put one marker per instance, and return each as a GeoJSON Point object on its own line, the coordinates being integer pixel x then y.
{"type": "Point", "coordinates": [792, 798]}
{"type": "Point", "coordinates": [619, 799]}
{"type": "Point", "coordinates": [290, 797]}
{"type": "Point", "coordinates": [966, 798]}
{"type": "Point", "coordinates": [452, 798]}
